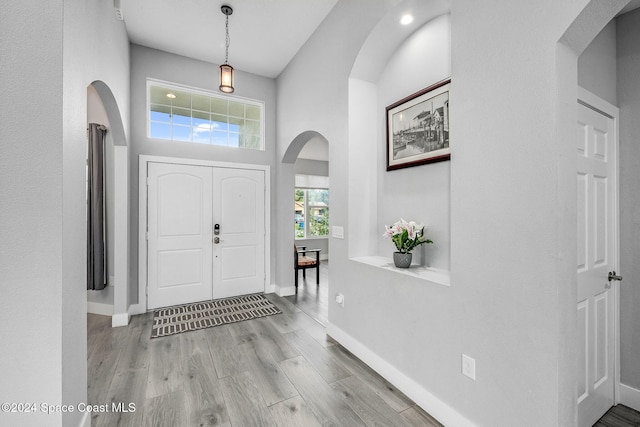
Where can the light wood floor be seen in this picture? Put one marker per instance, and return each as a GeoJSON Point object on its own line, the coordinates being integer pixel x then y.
{"type": "Point", "coordinates": [279, 370]}
{"type": "Point", "coordinates": [311, 298]}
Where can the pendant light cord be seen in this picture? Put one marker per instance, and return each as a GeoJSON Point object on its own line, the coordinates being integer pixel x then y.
{"type": "Point", "coordinates": [226, 53]}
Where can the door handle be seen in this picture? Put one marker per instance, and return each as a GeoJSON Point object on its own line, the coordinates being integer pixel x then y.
{"type": "Point", "coordinates": [613, 276]}
{"type": "Point", "coordinates": [217, 240]}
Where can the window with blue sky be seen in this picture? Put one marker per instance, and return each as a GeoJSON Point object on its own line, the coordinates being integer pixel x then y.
{"type": "Point", "coordinates": [190, 115]}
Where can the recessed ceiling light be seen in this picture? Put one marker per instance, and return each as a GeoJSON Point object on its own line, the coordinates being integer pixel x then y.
{"type": "Point", "coordinates": [171, 95]}
{"type": "Point", "coordinates": [406, 19]}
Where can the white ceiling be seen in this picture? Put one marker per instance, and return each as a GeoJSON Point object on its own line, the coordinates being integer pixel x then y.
{"type": "Point", "coordinates": [633, 4]}
{"type": "Point", "coordinates": [265, 34]}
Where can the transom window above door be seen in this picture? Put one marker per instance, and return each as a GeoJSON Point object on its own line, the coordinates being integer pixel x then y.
{"type": "Point", "coordinates": [184, 114]}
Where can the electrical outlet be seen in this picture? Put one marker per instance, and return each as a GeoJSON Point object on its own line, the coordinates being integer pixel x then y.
{"type": "Point", "coordinates": [340, 299]}
{"type": "Point", "coordinates": [469, 366]}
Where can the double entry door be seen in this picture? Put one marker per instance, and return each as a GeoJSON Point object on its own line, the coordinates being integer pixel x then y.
{"type": "Point", "coordinates": [206, 233]}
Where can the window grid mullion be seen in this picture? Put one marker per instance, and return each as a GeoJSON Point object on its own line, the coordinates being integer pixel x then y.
{"type": "Point", "coordinates": [244, 140]}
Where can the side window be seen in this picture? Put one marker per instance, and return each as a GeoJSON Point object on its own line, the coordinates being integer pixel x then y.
{"type": "Point", "coordinates": [311, 213]}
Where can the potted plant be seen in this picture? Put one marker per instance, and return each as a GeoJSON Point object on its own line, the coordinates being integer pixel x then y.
{"type": "Point", "coordinates": [406, 236]}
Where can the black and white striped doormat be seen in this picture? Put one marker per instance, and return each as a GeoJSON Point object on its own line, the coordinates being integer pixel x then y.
{"type": "Point", "coordinates": [200, 315]}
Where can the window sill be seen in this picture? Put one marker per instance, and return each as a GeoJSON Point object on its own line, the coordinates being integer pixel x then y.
{"type": "Point", "coordinates": [429, 274]}
{"type": "Point", "coordinates": [297, 239]}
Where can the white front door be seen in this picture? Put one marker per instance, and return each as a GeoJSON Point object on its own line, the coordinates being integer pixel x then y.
{"type": "Point", "coordinates": [179, 234]}
{"type": "Point", "coordinates": [189, 258]}
{"type": "Point", "coordinates": [238, 262]}
{"type": "Point", "coordinates": [597, 243]}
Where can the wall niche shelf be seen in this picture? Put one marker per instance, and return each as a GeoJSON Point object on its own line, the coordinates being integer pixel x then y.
{"type": "Point", "coordinates": [429, 274]}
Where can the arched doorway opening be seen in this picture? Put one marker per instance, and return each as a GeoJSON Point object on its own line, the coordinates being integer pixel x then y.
{"type": "Point", "coordinates": [309, 155]}
{"type": "Point", "coordinates": [114, 300]}
{"type": "Point", "coordinates": [592, 55]}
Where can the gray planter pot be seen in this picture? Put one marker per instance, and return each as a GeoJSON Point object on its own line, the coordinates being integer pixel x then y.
{"type": "Point", "coordinates": [402, 260]}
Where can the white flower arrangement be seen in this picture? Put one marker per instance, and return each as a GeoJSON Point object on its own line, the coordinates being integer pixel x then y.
{"type": "Point", "coordinates": [406, 235]}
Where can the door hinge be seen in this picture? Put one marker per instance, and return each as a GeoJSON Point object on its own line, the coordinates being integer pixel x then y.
{"type": "Point", "coordinates": [146, 235]}
{"type": "Point", "coordinates": [148, 181]}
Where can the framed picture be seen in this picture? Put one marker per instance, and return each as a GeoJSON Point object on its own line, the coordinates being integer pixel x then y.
{"type": "Point", "coordinates": [418, 128]}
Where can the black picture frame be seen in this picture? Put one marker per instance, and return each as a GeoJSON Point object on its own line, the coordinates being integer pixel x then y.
{"type": "Point", "coordinates": [418, 128]}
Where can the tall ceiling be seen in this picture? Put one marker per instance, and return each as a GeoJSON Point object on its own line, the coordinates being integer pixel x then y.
{"type": "Point", "coordinates": [265, 34]}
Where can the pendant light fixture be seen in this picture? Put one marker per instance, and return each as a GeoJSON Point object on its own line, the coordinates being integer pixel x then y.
{"type": "Point", "coordinates": [226, 70]}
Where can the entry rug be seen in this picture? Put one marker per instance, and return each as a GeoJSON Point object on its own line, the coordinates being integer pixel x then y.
{"type": "Point", "coordinates": [200, 315]}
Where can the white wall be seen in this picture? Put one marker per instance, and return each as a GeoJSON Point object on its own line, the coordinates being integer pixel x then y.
{"type": "Point", "coordinates": [31, 210]}
{"type": "Point", "coordinates": [95, 47]}
{"type": "Point", "coordinates": [51, 52]}
{"type": "Point", "coordinates": [512, 262]}
{"type": "Point", "coordinates": [151, 63]}
{"type": "Point", "coordinates": [506, 225]}
{"type": "Point", "coordinates": [628, 35]}
{"type": "Point", "coordinates": [311, 167]}
{"type": "Point", "coordinates": [325, 61]}
{"type": "Point", "coordinates": [597, 65]}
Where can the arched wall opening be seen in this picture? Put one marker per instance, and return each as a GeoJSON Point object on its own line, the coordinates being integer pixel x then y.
{"type": "Point", "coordinates": [101, 302]}
{"type": "Point", "coordinates": [311, 170]}
{"type": "Point", "coordinates": [298, 169]}
{"type": "Point", "coordinates": [114, 299]}
{"type": "Point", "coordinates": [298, 143]}
{"type": "Point", "coordinates": [418, 57]}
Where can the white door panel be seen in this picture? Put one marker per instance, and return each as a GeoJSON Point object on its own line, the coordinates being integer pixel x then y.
{"type": "Point", "coordinates": [179, 225]}
{"type": "Point", "coordinates": [239, 265]}
{"type": "Point", "coordinates": [596, 209]}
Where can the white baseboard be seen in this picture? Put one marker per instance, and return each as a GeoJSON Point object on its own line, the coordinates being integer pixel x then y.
{"type": "Point", "coordinates": [99, 308]}
{"type": "Point", "coordinates": [119, 319]}
{"type": "Point", "coordinates": [425, 399]}
{"type": "Point", "coordinates": [136, 309]}
{"type": "Point", "coordinates": [122, 319]}
{"type": "Point", "coordinates": [630, 397]}
{"type": "Point", "coordinates": [285, 291]}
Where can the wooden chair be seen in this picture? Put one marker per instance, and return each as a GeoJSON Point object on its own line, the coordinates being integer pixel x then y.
{"type": "Point", "coordinates": [302, 262]}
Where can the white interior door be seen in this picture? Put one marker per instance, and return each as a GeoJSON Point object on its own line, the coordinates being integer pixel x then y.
{"type": "Point", "coordinates": [179, 234]}
{"type": "Point", "coordinates": [239, 261]}
{"type": "Point", "coordinates": [597, 240]}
